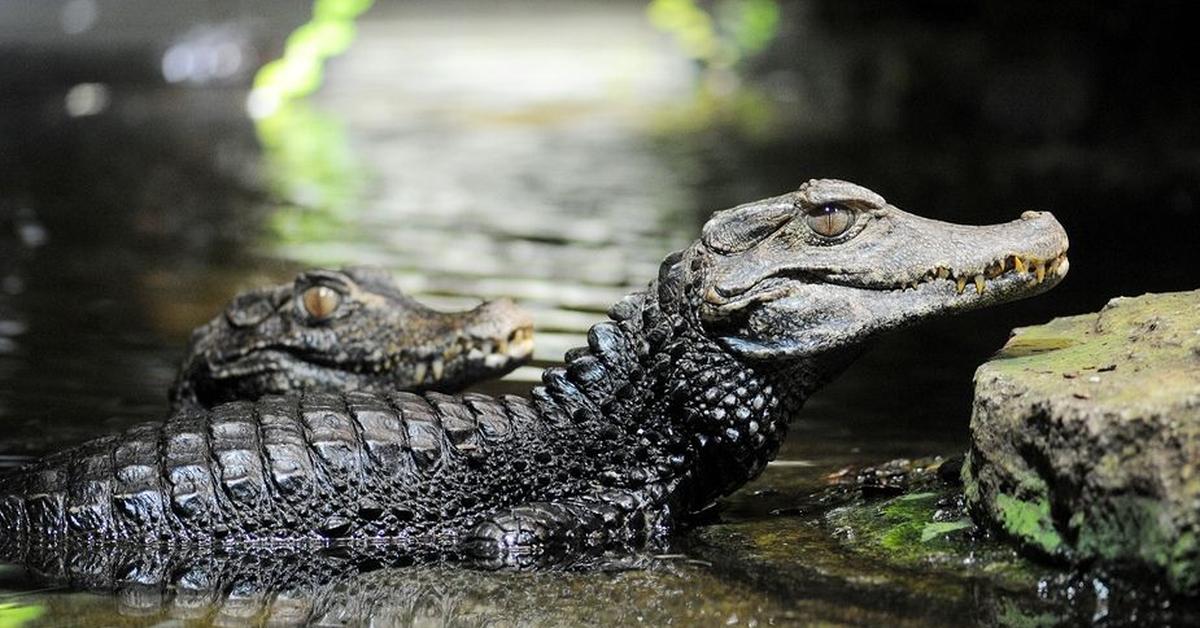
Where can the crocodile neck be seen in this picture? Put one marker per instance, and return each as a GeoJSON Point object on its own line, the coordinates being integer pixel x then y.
{"type": "Point", "coordinates": [666, 404]}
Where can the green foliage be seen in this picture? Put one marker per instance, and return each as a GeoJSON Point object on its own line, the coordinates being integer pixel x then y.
{"type": "Point", "coordinates": [735, 31]}
{"type": "Point", "coordinates": [309, 164]}
{"type": "Point", "coordinates": [299, 72]}
{"type": "Point", "coordinates": [16, 615]}
{"type": "Point", "coordinates": [691, 26]}
{"type": "Point", "coordinates": [340, 9]}
{"type": "Point", "coordinates": [752, 24]}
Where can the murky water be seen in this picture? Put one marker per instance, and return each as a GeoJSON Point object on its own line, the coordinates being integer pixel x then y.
{"type": "Point", "coordinates": [552, 155]}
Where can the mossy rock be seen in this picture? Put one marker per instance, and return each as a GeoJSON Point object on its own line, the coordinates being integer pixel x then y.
{"type": "Point", "coordinates": [1085, 438]}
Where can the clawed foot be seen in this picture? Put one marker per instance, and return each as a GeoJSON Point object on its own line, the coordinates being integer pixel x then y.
{"type": "Point", "coordinates": [533, 536]}
{"type": "Point", "coordinates": [574, 532]}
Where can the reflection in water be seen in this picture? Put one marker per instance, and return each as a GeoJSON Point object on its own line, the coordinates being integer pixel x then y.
{"type": "Point", "coordinates": [311, 168]}
{"type": "Point", "coordinates": [360, 585]}
{"type": "Point", "coordinates": [19, 614]}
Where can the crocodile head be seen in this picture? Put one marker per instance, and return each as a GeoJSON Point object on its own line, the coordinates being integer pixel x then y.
{"type": "Point", "coordinates": [347, 330]}
{"type": "Point", "coordinates": [833, 264]}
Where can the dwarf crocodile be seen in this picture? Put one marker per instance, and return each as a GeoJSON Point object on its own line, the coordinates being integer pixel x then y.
{"type": "Point", "coordinates": [683, 396]}
{"type": "Point", "coordinates": [346, 330]}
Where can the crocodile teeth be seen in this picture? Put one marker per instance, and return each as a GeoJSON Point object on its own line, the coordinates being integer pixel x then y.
{"type": "Point", "coordinates": [1055, 266]}
{"type": "Point", "coordinates": [495, 360]}
{"type": "Point", "coordinates": [712, 297]}
{"type": "Point", "coordinates": [419, 375]}
{"type": "Point", "coordinates": [521, 346]}
{"type": "Point", "coordinates": [438, 366]}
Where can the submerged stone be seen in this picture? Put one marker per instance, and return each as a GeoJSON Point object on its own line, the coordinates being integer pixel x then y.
{"type": "Point", "coordinates": [1085, 438]}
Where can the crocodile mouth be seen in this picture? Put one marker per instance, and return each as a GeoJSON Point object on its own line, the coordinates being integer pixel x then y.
{"type": "Point", "coordinates": [1023, 268]}
{"type": "Point", "coordinates": [1004, 275]}
{"type": "Point", "coordinates": [466, 356]}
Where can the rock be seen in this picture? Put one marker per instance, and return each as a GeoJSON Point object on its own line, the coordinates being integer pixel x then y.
{"type": "Point", "coordinates": [1085, 438]}
{"type": "Point", "coordinates": [844, 555]}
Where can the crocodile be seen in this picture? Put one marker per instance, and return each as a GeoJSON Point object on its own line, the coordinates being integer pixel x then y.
{"type": "Point", "coordinates": [681, 397]}
{"type": "Point", "coordinates": [345, 330]}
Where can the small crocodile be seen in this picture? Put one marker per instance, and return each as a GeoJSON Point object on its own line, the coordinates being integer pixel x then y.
{"type": "Point", "coordinates": [683, 396]}
{"type": "Point", "coordinates": [346, 330]}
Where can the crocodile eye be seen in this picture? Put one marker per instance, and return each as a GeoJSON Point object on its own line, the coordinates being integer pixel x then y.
{"type": "Point", "coordinates": [321, 302]}
{"type": "Point", "coordinates": [830, 220]}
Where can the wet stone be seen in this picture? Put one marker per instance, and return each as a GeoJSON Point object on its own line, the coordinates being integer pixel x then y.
{"type": "Point", "coordinates": [884, 480]}
{"type": "Point", "coordinates": [915, 555]}
{"type": "Point", "coordinates": [1104, 466]}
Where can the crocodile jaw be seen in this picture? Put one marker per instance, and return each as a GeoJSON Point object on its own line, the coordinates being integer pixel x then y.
{"type": "Point", "coordinates": [836, 316]}
{"type": "Point", "coordinates": [770, 288]}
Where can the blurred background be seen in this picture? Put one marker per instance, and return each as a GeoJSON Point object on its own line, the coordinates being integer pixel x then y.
{"type": "Point", "coordinates": [157, 157]}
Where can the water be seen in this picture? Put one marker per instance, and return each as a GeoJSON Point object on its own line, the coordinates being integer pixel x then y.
{"type": "Point", "coordinates": [554, 154]}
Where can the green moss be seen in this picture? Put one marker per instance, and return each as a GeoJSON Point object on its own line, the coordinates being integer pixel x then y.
{"type": "Point", "coordinates": [1012, 616]}
{"type": "Point", "coordinates": [1184, 571]}
{"type": "Point", "coordinates": [1126, 526]}
{"type": "Point", "coordinates": [907, 516]}
{"type": "Point", "coordinates": [911, 519]}
{"type": "Point", "coordinates": [1029, 521]}
{"type": "Point", "coordinates": [970, 482]}
{"type": "Point", "coordinates": [938, 529]}
{"type": "Point", "coordinates": [903, 532]}
{"type": "Point", "coordinates": [1059, 358]}
{"type": "Point", "coordinates": [1091, 417]}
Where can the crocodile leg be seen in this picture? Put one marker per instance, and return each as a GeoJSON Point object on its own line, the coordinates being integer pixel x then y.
{"type": "Point", "coordinates": [545, 533]}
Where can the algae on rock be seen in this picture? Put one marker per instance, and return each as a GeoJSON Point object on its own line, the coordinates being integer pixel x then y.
{"type": "Point", "coordinates": [1085, 438]}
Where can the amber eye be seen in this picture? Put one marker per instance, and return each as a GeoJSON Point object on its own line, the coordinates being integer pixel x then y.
{"type": "Point", "coordinates": [321, 302]}
{"type": "Point", "coordinates": [830, 220]}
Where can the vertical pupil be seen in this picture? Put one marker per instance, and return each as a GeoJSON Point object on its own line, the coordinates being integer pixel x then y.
{"type": "Point", "coordinates": [830, 220]}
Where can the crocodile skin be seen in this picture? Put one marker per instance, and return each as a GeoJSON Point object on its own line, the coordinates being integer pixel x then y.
{"type": "Point", "coordinates": [599, 457]}
{"type": "Point", "coordinates": [683, 396]}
